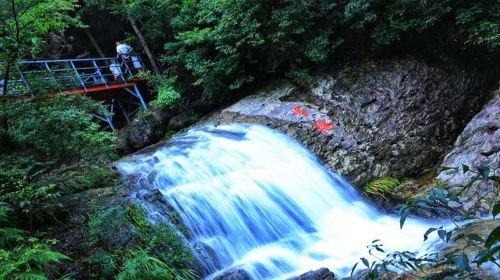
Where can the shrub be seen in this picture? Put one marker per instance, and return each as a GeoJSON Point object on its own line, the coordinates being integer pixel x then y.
{"type": "Point", "coordinates": [166, 93]}
{"type": "Point", "coordinates": [167, 97]}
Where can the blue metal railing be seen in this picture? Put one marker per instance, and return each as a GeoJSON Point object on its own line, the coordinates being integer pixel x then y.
{"type": "Point", "coordinates": [65, 74]}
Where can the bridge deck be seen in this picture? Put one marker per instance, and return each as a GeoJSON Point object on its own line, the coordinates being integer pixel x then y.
{"type": "Point", "coordinates": [70, 75]}
{"type": "Point", "coordinates": [111, 81]}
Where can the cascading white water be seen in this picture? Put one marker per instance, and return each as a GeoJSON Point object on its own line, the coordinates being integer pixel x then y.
{"type": "Point", "coordinates": [256, 199]}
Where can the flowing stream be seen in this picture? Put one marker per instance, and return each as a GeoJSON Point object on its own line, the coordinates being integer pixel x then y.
{"type": "Point", "coordinates": [256, 199]}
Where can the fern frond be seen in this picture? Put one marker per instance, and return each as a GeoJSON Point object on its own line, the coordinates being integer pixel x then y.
{"type": "Point", "coordinates": [186, 274]}
{"type": "Point", "coordinates": [10, 234]}
{"type": "Point", "coordinates": [44, 256]}
{"type": "Point", "coordinates": [143, 266]}
{"type": "Point", "coordinates": [4, 211]}
{"type": "Point", "coordinates": [29, 276]}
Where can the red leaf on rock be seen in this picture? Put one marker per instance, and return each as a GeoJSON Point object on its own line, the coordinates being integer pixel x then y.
{"type": "Point", "coordinates": [299, 111]}
{"type": "Point", "coordinates": [323, 126]}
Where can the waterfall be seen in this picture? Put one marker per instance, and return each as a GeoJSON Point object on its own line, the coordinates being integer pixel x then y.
{"type": "Point", "coordinates": [253, 198]}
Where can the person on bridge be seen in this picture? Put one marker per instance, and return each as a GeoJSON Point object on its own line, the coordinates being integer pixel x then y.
{"type": "Point", "coordinates": [123, 50]}
{"type": "Point", "coordinates": [116, 70]}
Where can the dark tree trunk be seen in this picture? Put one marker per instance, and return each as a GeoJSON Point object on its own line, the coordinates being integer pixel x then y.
{"type": "Point", "coordinates": [94, 43]}
{"type": "Point", "coordinates": [6, 78]}
{"type": "Point", "coordinates": [13, 56]}
{"type": "Point", "coordinates": [145, 46]}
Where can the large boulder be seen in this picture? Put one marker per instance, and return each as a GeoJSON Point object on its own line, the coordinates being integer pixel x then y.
{"type": "Point", "coordinates": [478, 146]}
{"type": "Point", "coordinates": [234, 274]}
{"type": "Point", "coordinates": [144, 130]}
{"type": "Point", "coordinates": [319, 274]}
{"type": "Point", "coordinates": [393, 117]}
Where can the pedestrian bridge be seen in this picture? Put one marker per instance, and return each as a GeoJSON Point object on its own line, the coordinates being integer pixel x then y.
{"type": "Point", "coordinates": [113, 81]}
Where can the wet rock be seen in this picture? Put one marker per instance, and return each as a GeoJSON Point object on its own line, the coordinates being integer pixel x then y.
{"type": "Point", "coordinates": [234, 274]}
{"type": "Point", "coordinates": [478, 146]}
{"type": "Point", "coordinates": [72, 233]}
{"type": "Point", "coordinates": [320, 274]}
{"type": "Point", "coordinates": [181, 121]}
{"type": "Point", "coordinates": [144, 130]}
{"type": "Point", "coordinates": [393, 117]}
{"type": "Point", "coordinates": [363, 274]}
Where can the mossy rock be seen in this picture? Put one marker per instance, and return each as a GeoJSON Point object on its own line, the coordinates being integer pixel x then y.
{"type": "Point", "coordinates": [112, 228]}
{"type": "Point", "coordinates": [123, 236]}
{"type": "Point", "coordinates": [382, 186]}
{"type": "Point", "coordinates": [169, 134]}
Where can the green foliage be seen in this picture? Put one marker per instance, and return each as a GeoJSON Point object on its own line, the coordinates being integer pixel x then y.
{"type": "Point", "coordinates": [224, 44]}
{"type": "Point", "coordinates": [317, 49]}
{"type": "Point", "coordinates": [167, 94]}
{"type": "Point", "coordinates": [169, 134]}
{"type": "Point", "coordinates": [468, 23]}
{"type": "Point", "coordinates": [133, 248]}
{"type": "Point", "coordinates": [141, 265]}
{"type": "Point", "coordinates": [80, 179]}
{"type": "Point", "coordinates": [30, 199]}
{"type": "Point", "coordinates": [41, 16]}
{"type": "Point", "coordinates": [60, 128]}
{"type": "Point", "coordinates": [300, 77]}
{"type": "Point", "coordinates": [23, 257]}
{"type": "Point", "coordinates": [24, 25]}
{"type": "Point", "coordinates": [215, 47]}
{"type": "Point", "coordinates": [382, 186]}
{"type": "Point", "coordinates": [41, 84]}
{"type": "Point", "coordinates": [54, 147]}
{"type": "Point", "coordinates": [105, 263]}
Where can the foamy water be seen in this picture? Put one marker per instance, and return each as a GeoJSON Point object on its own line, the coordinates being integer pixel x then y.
{"type": "Point", "coordinates": [254, 198]}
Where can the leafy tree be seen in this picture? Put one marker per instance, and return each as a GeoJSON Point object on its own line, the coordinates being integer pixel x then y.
{"type": "Point", "coordinates": [225, 44]}
{"type": "Point", "coordinates": [215, 47]}
{"type": "Point", "coordinates": [24, 25]}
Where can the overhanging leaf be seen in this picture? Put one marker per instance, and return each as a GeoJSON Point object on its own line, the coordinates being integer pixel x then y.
{"type": "Point", "coordinates": [462, 262]}
{"type": "Point", "coordinates": [493, 238]}
{"type": "Point", "coordinates": [353, 269]}
{"type": "Point", "coordinates": [404, 215]}
{"type": "Point", "coordinates": [496, 209]}
{"type": "Point", "coordinates": [429, 231]}
{"type": "Point", "coordinates": [365, 262]}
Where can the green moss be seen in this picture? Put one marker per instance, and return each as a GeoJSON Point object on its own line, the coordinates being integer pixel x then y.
{"type": "Point", "coordinates": [169, 134]}
{"type": "Point", "coordinates": [382, 186]}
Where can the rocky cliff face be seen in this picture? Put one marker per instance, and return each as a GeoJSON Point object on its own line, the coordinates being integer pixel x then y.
{"type": "Point", "coordinates": [392, 117]}
{"type": "Point", "coordinates": [478, 146]}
